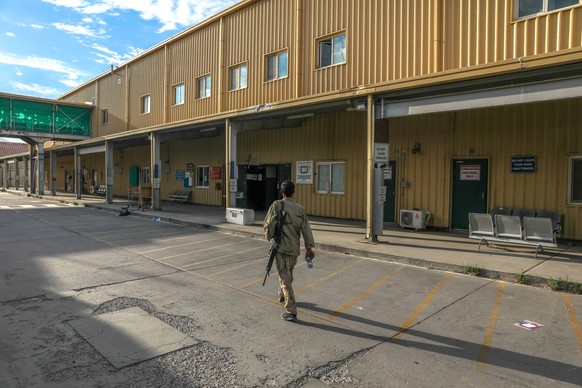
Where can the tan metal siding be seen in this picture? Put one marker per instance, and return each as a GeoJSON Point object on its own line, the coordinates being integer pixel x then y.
{"type": "Point", "coordinates": [485, 31]}
{"type": "Point", "coordinates": [550, 131]}
{"type": "Point", "coordinates": [259, 29]}
{"type": "Point", "coordinates": [147, 76]}
{"type": "Point", "coordinates": [323, 138]}
{"type": "Point", "coordinates": [190, 58]}
{"type": "Point", "coordinates": [200, 152]}
{"type": "Point", "coordinates": [111, 96]}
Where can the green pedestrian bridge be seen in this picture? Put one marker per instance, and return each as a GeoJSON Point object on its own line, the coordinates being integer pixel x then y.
{"type": "Point", "coordinates": [43, 119]}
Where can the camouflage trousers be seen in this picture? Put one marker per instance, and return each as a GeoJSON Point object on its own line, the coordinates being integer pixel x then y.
{"type": "Point", "coordinates": [285, 266]}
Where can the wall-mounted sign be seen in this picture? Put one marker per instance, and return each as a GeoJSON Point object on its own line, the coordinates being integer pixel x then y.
{"type": "Point", "coordinates": [388, 173]}
{"type": "Point", "coordinates": [470, 172]}
{"type": "Point", "coordinates": [190, 167]}
{"type": "Point", "coordinates": [381, 153]}
{"type": "Point", "coordinates": [523, 164]}
{"type": "Point", "coordinates": [216, 172]}
{"type": "Point", "coordinates": [167, 168]}
{"type": "Point", "coordinates": [180, 175]}
{"type": "Point", "coordinates": [304, 172]}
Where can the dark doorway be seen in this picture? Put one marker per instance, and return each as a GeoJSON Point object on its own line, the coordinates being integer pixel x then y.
{"type": "Point", "coordinates": [470, 181]}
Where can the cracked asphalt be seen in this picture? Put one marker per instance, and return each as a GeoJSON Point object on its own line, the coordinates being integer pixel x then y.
{"type": "Point", "coordinates": [362, 322]}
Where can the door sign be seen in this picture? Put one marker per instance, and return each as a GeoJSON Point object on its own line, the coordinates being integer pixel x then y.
{"type": "Point", "coordinates": [470, 172]}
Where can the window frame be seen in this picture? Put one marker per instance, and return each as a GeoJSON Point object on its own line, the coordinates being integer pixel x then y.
{"type": "Point", "coordinates": [276, 56]}
{"type": "Point", "coordinates": [208, 87]}
{"type": "Point", "coordinates": [105, 116]}
{"type": "Point", "coordinates": [175, 89]}
{"type": "Point", "coordinates": [329, 39]}
{"type": "Point", "coordinates": [238, 69]}
{"type": "Point", "coordinates": [545, 9]}
{"type": "Point", "coordinates": [329, 183]}
{"type": "Point", "coordinates": [571, 185]}
{"type": "Point", "coordinates": [205, 176]}
{"type": "Point", "coordinates": [142, 107]}
{"type": "Point", "coordinates": [145, 176]}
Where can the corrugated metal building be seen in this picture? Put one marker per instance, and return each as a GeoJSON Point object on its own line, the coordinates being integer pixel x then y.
{"type": "Point", "coordinates": [464, 91]}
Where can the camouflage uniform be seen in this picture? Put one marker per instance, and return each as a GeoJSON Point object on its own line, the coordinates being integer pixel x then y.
{"type": "Point", "coordinates": [295, 225]}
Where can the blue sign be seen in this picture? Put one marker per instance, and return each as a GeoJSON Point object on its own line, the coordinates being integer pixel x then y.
{"type": "Point", "coordinates": [180, 174]}
{"type": "Point", "coordinates": [523, 164]}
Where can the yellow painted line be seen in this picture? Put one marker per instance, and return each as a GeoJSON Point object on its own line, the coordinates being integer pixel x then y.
{"type": "Point", "coordinates": [490, 330]}
{"type": "Point", "coordinates": [362, 294]}
{"type": "Point", "coordinates": [247, 263]}
{"type": "Point", "coordinates": [179, 245]}
{"type": "Point", "coordinates": [222, 257]}
{"type": "Point", "coordinates": [576, 327]}
{"type": "Point", "coordinates": [331, 275]}
{"type": "Point", "coordinates": [421, 307]}
{"type": "Point", "coordinates": [199, 250]}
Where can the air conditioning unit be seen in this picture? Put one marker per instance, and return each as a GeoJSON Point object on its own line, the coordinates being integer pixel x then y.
{"type": "Point", "coordinates": [415, 219]}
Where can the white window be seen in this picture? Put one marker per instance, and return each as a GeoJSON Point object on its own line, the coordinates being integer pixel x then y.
{"type": "Point", "coordinates": [238, 77]}
{"type": "Point", "coordinates": [144, 176]}
{"type": "Point", "coordinates": [202, 176]}
{"type": "Point", "coordinates": [144, 106]}
{"type": "Point", "coordinates": [332, 50]}
{"type": "Point", "coordinates": [277, 66]}
{"type": "Point", "coordinates": [104, 116]}
{"type": "Point", "coordinates": [179, 94]}
{"type": "Point", "coordinates": [204, 86]}
{"type": "Point", "coordinates": [331, 177]}
{"type": "Point", "coordinates": [575, 180]}
{"type": "Point", "coordinates": [534, 7]}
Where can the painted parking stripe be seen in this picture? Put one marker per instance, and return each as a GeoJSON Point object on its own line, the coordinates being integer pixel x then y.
{"type": "Point", "coordinates": [181, 245]}
{"type": "Point", "coordinates": [199, 250]}
{"type": "Point", "coordinates": [490, 330]}
{"type": "Point", "coordinates": [421, 307]}
{"type": "Point", "coordinates": [221, 257]}
{"type": "Point", "coordinates": [576, 327]}
{"type": "Point", "coordinates": [363, 294]}
{"type": "Point", "coordinates": [325, 278]}
{"type": "Point", "coordinates": [245, 264]}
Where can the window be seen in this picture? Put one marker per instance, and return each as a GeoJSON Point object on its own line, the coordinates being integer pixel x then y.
{"type": "Point", "coordinates": [277, 66]}
{"type": "Point", "coordinates": [144, 106]}
{"type": "Point", "coordinates": [330, 177]}
{"type": "Point", "coordinates": [104, 116]}
{"type": "Point", "coordinates": [144, 176]}
{"type": "Point", "coordinates": [238, 77]}
{"type": "Point", "coordinates": [575, 183]}
{"type": "Point", "coordinates": [533, 7]}
{"type": "Point", "coordinates": [179, 94]}
{"type": "Point", "coordinates": [204, 87]}
{"type": "Point", "coordinates": [202, 176]}
{"type": "Point", "coordinates": [332, 50]}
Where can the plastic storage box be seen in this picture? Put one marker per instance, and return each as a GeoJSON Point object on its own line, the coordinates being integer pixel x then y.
{"type": "Point", "coordinates": [240, 216]}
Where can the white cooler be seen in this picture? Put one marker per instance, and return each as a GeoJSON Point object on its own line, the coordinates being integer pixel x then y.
{"type": "Point", "coordinates": [240, 216]}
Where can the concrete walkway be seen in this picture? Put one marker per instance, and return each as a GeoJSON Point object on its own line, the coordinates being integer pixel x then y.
{"type": "Point", "coordinates": [442, 250]}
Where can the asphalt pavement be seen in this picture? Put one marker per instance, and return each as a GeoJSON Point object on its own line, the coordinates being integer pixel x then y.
{"type": "Point", "coordinates": [434, 249]}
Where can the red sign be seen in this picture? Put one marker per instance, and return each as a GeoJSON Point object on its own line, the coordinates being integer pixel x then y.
{"type": "Point", "coordinates": [216, 172]}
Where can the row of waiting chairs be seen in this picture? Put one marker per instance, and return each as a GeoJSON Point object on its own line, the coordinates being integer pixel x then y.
{"type": "Point", "coordinates": [555, 216]}
{"type": "Point", "coordinates": [513, 229]}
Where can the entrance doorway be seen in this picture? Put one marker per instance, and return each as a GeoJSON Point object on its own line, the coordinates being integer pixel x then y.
{"type": "Point", "coordinates": [390, 183]}
{"type": "Point", "coordinates": [258, 186]}
{"type": "Point", "coordinates": [470, 183]}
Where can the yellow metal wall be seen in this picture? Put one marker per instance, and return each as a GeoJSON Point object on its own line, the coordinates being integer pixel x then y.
{"type": "Point", "coordinates": [323, 138]}
{"type": "Point", "coordinates": [111, 96]}
{"type": "Point", "coordinates": [550, 131]}
{"type": "Point", "coordinates": [147, 76]}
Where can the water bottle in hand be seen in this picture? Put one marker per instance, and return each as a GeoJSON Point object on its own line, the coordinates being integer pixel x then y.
{"type": "Point", "coordinates": [309, 261]}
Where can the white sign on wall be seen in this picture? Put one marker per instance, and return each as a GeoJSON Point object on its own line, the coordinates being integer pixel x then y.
{"type": "Point", "coordinates": [470, 172]}
{"type": "Point", "coordinates": [381, 153]}
{"type": "Point", "coordinates": [304, 172]}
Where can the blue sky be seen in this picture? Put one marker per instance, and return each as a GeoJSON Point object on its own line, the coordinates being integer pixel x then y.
{"type": "Point", "coordinates": [48, 47]}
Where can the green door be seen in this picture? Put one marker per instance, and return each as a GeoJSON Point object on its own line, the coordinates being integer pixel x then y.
{"type": "Point", "coordinates": [470, 178]}
{"type": "Point", "coordinates": [390, 183]}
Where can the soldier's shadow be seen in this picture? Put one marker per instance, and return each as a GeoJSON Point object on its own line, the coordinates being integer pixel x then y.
{"type": "Point", "coordinates": [448, 346]}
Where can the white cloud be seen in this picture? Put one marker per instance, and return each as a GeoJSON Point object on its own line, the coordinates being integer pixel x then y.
{"type": "Point", "coordinates": [34, 89]}
{"type": "Point", "coordinates": [37, 26]}
{"type": "Point", "coordinates": [87, 20]}
{"type": "Point", "coordinates": [110, 57]}
{"type": "Point", "coordinates": [40, 63]}
{"type": "Point", "coordinates": [172, 14]}
{"type": "Point", "coordinates": [18, 72]}
{"type": "Point", "coordinates": [10, 34]}
{"type": "Point", "coordinates": [79, 30]}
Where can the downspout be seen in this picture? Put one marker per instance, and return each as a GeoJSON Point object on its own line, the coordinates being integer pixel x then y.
{"type": "Point", "coordinates": [298, 47]}
{"type": "Point", "coordinates": [221, 70]}
{"type": "Point", "coordinates": [438, 30]}
{"type": "Point", "coordinates": [127, 96]}
{"type": "Point", "coordinates": [370, 166]}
